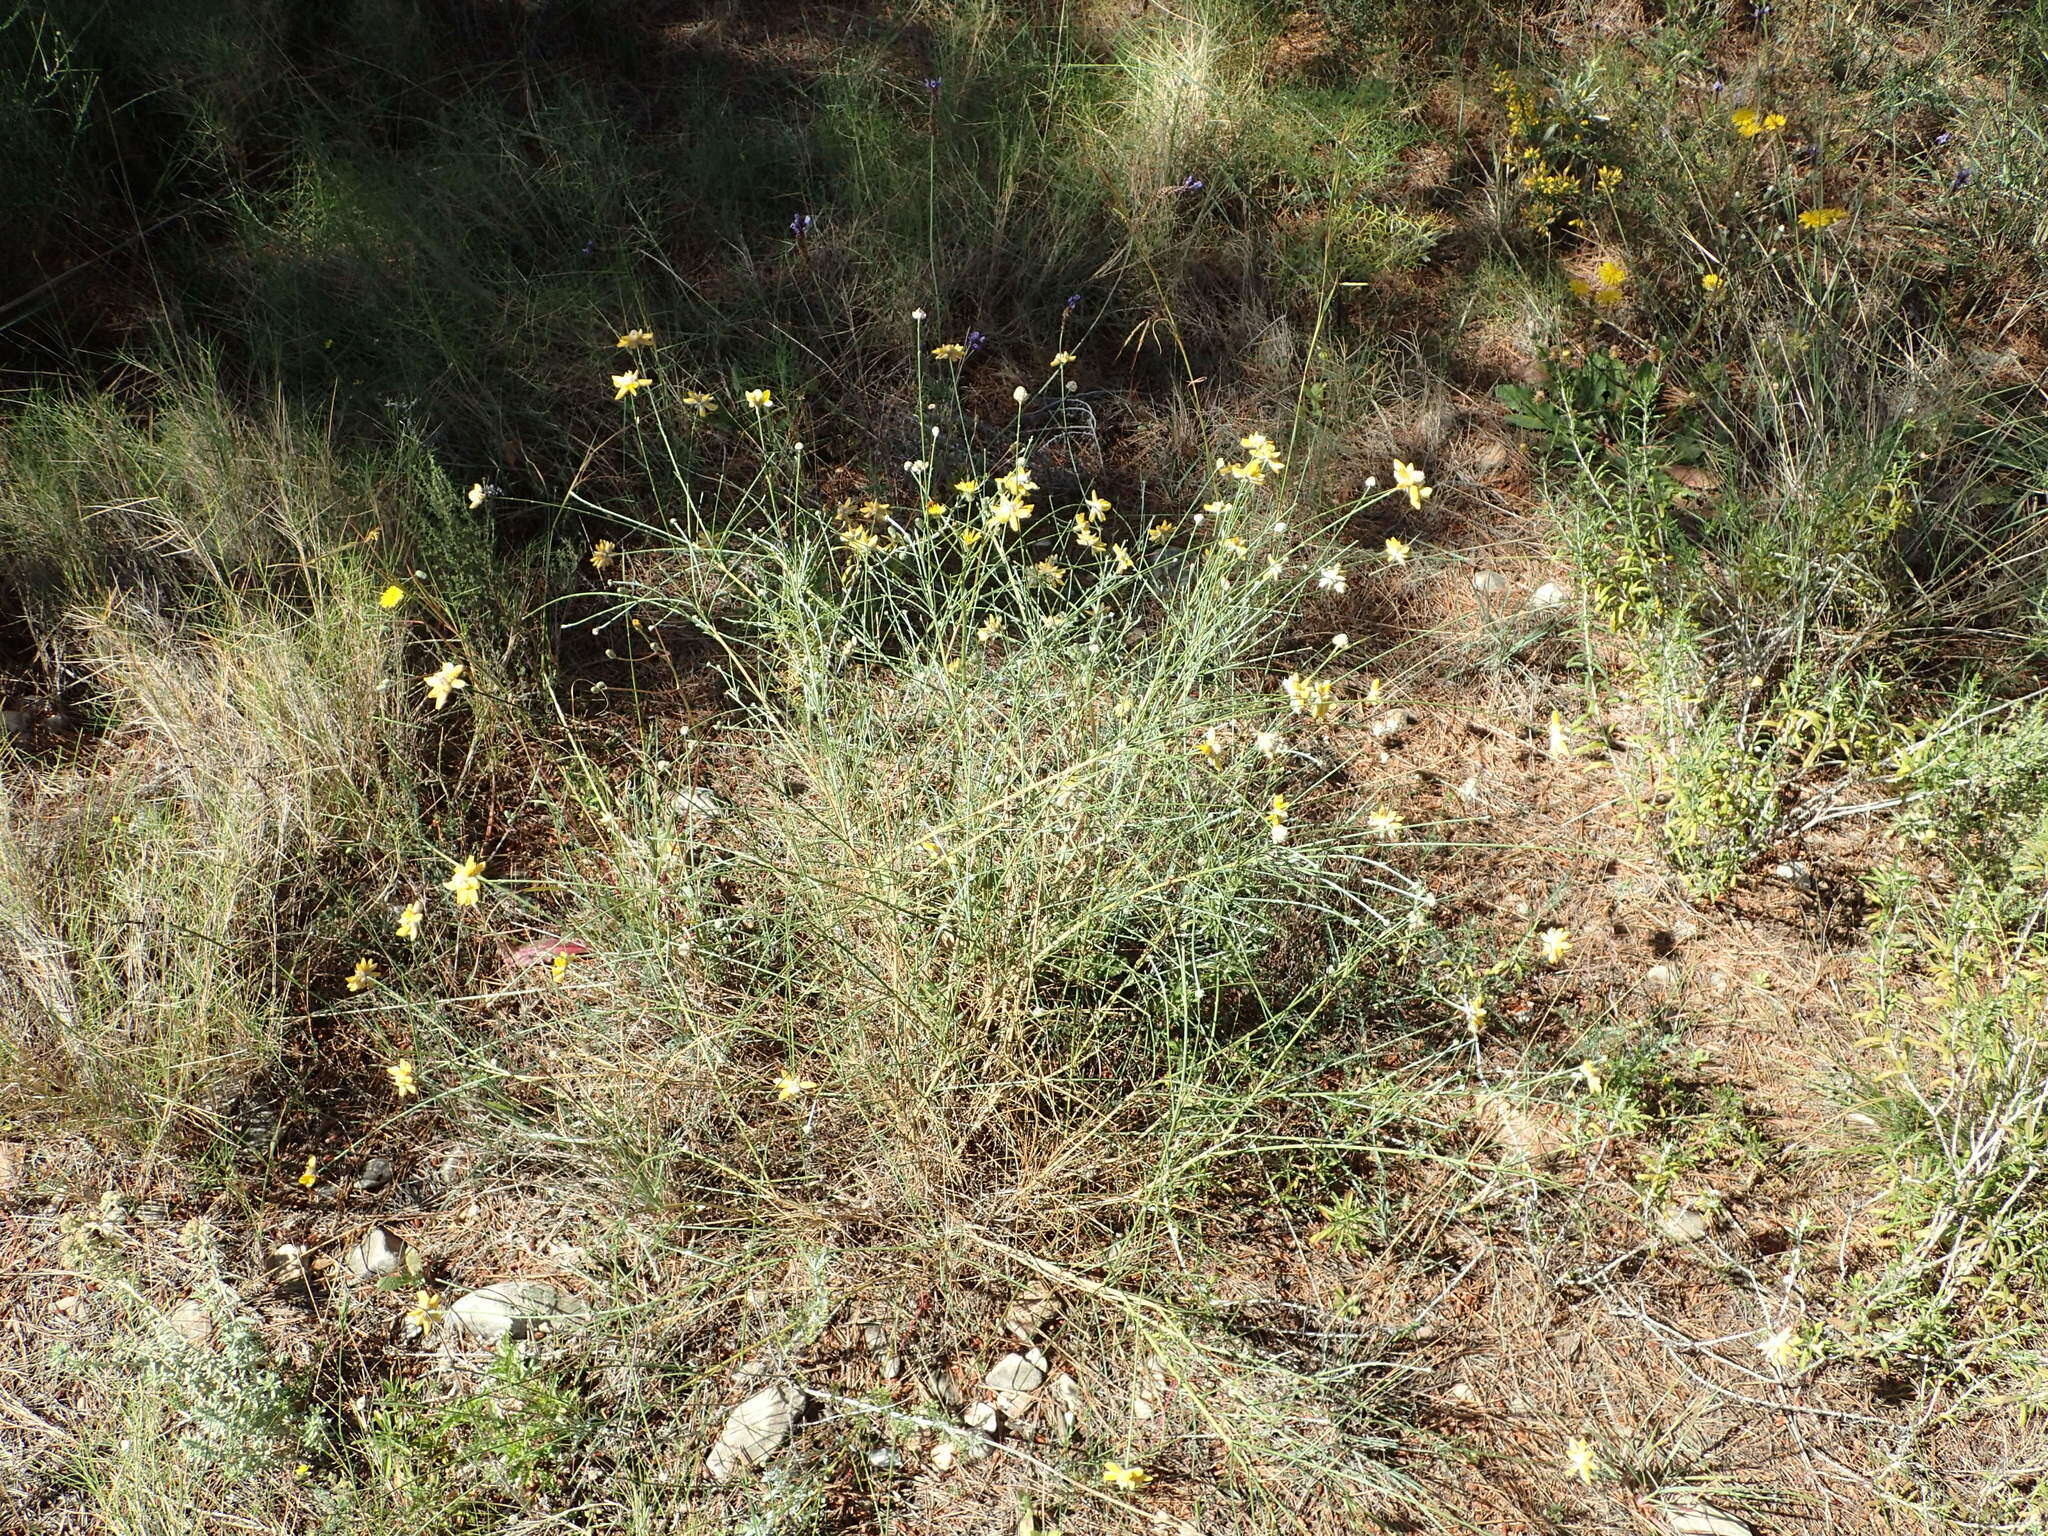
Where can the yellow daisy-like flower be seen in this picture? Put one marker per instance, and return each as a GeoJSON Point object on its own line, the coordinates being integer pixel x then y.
{"type": "Point", "coordinates": [464, 885]}
{"type": "Point", "coordinates": [860, 542]}
{"type": "Point", "coordinates": [1749, 122]}
{"type": "Point", "coordinates": [1383, 822]}
{"type": "Point", "coordinates": [631, 382]}
{"type": "Point", "coordinates": [603, 554]}
{"type": "Point", "coordinates": [427, 1312]}
{"type": "Point", "coordinates": [1129, 1479]}
{"type": "Point", "coordinates": [409, 921]}
{"type": "Point", "coordinates": [312, 1174]}
{"type": "Point", "coordinates": [402, 1084]}
{"type": "Point", "coordinates": [1579, 1459]}
{"type": "Point", "coordinates": [1712, 281]}
{"type": "Point", "coordinates": [1049, 572]}
{"type": "Point", "coordinates": [364, 976]}
{"type": "Point", "coordinates": [788, 1087]}
{"type": "Point", "coordinates": [391, 596]}
{"type": "Point", "coordinates": [700, 402]}
{"type": "Point", "coordinates": [966, 488]}
{"type": "Point", "coordinates": [1593, 1073]}
{"type": "Point", "coordinates": [1553, 944]}
{"type": "Point", "coordinates": [1161, 531]}
{"type": "Point", "coordinates": [637, 338]}
{"type": "Point", "coordinates": [1123, 559]}
{"type": "Point", "coordinates": [1008, 512]}
{"type": "Point", "coordinates": [442, 685]}
{"type": "Point", "coordinates": [1259, 448]}
{"type": "Point", "coordinates": [991, 628]}
{"type": "Point", "coordinates": [1784, 1349]}
{"type": "Point", "coordinates": [1821, 218]}
{"type": "Point", "coordinates": [1061, 359]}
{"type": "Point", "coordinates": [479, 493]}
{"type": "Point", "coordinates": [1306, 697]}
{"type": "Point", "coordinates": [1407, 477]}
{"type": "Point", "coordinates": [950, 352]}
{"type": "Point", "coordinates": [558, 968]}
{"type": "Point", "coordinates": [761, 399]}
{"type": "Point", "coordinates": [1397, 552]}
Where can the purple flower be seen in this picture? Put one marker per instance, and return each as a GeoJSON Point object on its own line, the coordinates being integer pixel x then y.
{"type": "Point", "coordinates": [1943, 137]}
{"type": "Point", "coordinates": [976, 341]}
{"type": "Point", "coordinates": [1073, 302]}
{"type": "Point", "coordinates": [1963, 178]}
{"type": "Point", "coordinates": [801, 225]}
{"type": "Point", "coordinates": [590, 247]}
{"type": "Point", "coordinates": [1190, 185]}
{"type": "Point", "coordinates": [932, 84]}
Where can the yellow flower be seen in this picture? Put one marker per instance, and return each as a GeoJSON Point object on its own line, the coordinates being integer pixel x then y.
{"type": "Point", "coordinates": [698, 401]}
{"type": "Point", "coordinates": [427, 1312]}
{"type": "Point", "coordinates": [478, 495]}
{"type": "Point", "coordinates": [1211, 745]}
{"type": "Point", "coordinates": [1161, 531]}
{"type": "Point", "coordinates": [1129, 1479]}
{"type": "Point", "coordinates": [966, 488]}
{"type": "Point", "coordinates": [409, 921]}
{"type": "Point", "coordinates": [1579, 1459]}
{"type": "Point", "coordinates": [1061, 359]}
{"type": "Point", "coordinates": [558, 968]}
{"type": "Point", "coordinates": [761, 399]}
{"type": "Point", "coordinates": [860, 542]}
{"type": "Point", "coordinates": [1608, 177]}
{"type": "Point", "coordinates": [312, 1174]}
{"type": "Point", "coordinates": [1821, 218]}
{"type": "Point", "coordinates": [602, 554]}
{"type": "Point", "coordinates": [1008, 512]}
{"type": "Point", "coordinates": [1593, 1073]}
{"type": "Point", "coordinates": [1124, 562]}
{"type": "Point", "coordinates": [788, 1087]}
{"type": "Point", "coordinates": [391, 596]}
{"type": "Point", "coordinates": [637, 338]}
{"type": "Point", "coordinates": [1098, 507]}
{"type": "Point", "coordinates": [1553, 944]}
{"type": "Point", "coordinates": [1411, 479]}
{"type": "Point", "coordinates": [1383, 822]}
{"type": "Point", "coordinates": [1018, 481]}
{"type": "Point", "coordinates": [400, 1073]}
{"type": "Point", "coordinates": [991, 627]}
{"type": "Point", "coordinates": [630, 382]}
{"type": "Point", "coordinates": [464, 885]}
{"type": "Point", "coordinates": [1397, 552]}
{"type": "Point", "coordinates": [1305, 697]}
{"type": "Point", "coordinates": [442, 685]}
{"type": "Point", "coordinates": [1236, 546]}
{"type": "Point", "coordinates": [1259, 448]}
{"type": "Point", "coordinates": [363, 976]}
{"type": "Point", "coordinates": [1712, 281]}
{"type": "Point", "coordinates": [1749, 122]}
{"type": "Point", "coordinates": [950, 352]}
{"type": "Point", "coordinates": [1472, 1009]}
{"type": "Point", "coordinates": [1560, 739]}
{"type": "Point", "coordinates": [1784, 1349]}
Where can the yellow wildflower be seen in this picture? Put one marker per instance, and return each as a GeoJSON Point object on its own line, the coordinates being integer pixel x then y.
{"type": "Point", "coordinates": [1161, 531]}
{"type": "Point", "coordinates": [1018, 481]}
{"type": "Point", "coordinates": [478, 495]}
{"type": "Point", "coordinates": [409, 921]}
{"type": "Point", "coordinates": [950, 352]}
{"type": "Point", "coordinates": [1008, 512]}
{"type": "Point", "coordinates": [637, 338]}
{"type": "Point", "coordinates": [402, 1084]}
{"type": "Point", "coordinates": [1593, 1073]}
{"type": "Point", "coordinates": [1712, 281]}
{"type": "Point", "coordinates": [966, 487]}
{"type": "Point", "coordinates": [761, 399]}
{"type": "Point", "coordinates": [1821, 218]}
{"type": "Point", "coordinates": [602, 554]}
{"type": "Point", "coordinates": [1472, 1009]}
{"type": "Point", "coordinates": [631, 382]}
{"type": "Point", "coordinates": [464, 885]}
{"type": "Point", "coordinates": [363, 976]}
{"type": "Point", "coordinates": [1305, 697]}
{"type": "Point", "coordinates": [1407, 477]}
{"type": "Point", "coordinates": [1383, 822]}
{"type": "Point", "coordinates": [427, 1312]}
{"type": "Point", "coordinates": [558, 968]}
{"type": "Point", "coordinates": [443, 684]}
{"type": "Point", "coordinates": [788, 1087]}
{"type": "Point", "coordinates": [860, 542]}
{"type": "Point", "coordinates": [1749, 122]}
{"type": "Point", "coordinates": [700, 402]}
{"type": "Point", "coordinates": [1397, 552]}
{"type": "Point", "coordinates": [391, 596]}
{"type": "Point", "coordinates": [312, 1174]}
{"type": "Point", "coordinates": [1061, 359]}
{"type": "Point", "coordinates": [1211, 745]}
{"type": "Point", "coordinates": [1260, 450]}
{"type": "Point", "coordinates": [1553, 944]}
{"type": "Point", "coordinates": [1129, 1479]}
{"type": "Point", "coordinates": [1049, 572]}
{"type": "Point", "coordinates": [1579, 1459]}
{"type": "Point", "coordinates": [1124, 562]}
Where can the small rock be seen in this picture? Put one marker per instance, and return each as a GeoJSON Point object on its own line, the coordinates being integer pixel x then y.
{"type": "Point", "coordinates": [944, 1455]}
{"type": "Point", "coordinates": [192, 1321]}
{"type": "Point", "coordinates": [513, 1309]}
{"type": "Point", "coordinates": [1798, 874]}
{"type": "Point", "coordinates": [1392, 723]}
{"type": "Point", "coordinates": [379, 1252]}
{"type": "Point", "coordinates": [1550, 595]}
{"type": "Point", "coordinates": [1464, 1392]}
{"type": "Point", "coordinates": [1489, 583]}
{"type": "Point", "coordinates": [1684, 930]}
{"type": "Point", "coordinates": [698, 802]}
{"type": "Point", "coordinates": [1017, 1373]}
{"type": "Point", "coordinates": [985, 1417]}
{"type": "Point", "coordinates": [754, 1431]}
{"type": "Point", "coordinates": [944, 1390]}
{"type": "Point", "coordinates": [290, 1269]}
{"type": "Point", "coordinates": [378, 1172]}
{"type": "Point", "coordinates": [1469, 790]}
{"type": "Point", "coordinates": [1027, 1316]}
{"type": "Point", "coordinates": [1695, 1518]}
{"type": "Point", "coordinates": [1066, 1392]}
{"type": "Point", "coordinates": [1661, 977]}
{"type": "Point", "coordinates": [1685, 1226]}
